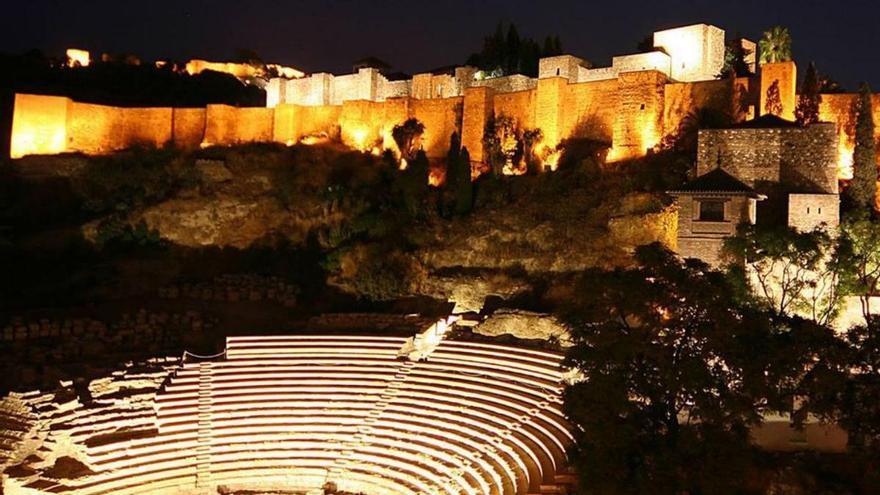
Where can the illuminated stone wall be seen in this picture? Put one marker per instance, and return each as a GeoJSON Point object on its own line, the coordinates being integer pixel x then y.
{"type": "Point", "coordinates": [39, 125]}
{"type": "Point", "coordinates": [477, 109]}
{"type": "Point", "coordinates": [96, 129]}
{"type": "Point", "coordinates": [803, 159]}
{"type": "Point", "coordinates": [809, 211]}
{"type": "Point", "coordinates": [696, 51]}
{"type": "Point", "coordinates": [680, 99]}
{"type": "Point", "coordinates": [702, 239]}
{"type": "Point", "coordinates": [842, 109]}
{"type": "Point", "coordinates": [590, 110]}
{"type": "Point", "coordinates": [565, 66]}
{"type": "Point", "coordinates": [785, 74]}
{"type": "Point", "coordinates": [519, 105]}
{"type": "Point", "coordinates": [189, 127]}
{"type": "Point", "coordinates": [439, 117]}
{"type": "Point", "coordinates": [230, 125]}
{"type": "Point", "coordinates": [638, 125]}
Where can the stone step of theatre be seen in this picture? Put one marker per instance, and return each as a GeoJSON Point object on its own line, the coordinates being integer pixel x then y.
{"type": "Point", "coordinates": [297, 412]}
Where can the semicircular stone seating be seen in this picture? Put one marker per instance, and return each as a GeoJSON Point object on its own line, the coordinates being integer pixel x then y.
{"type": "Point", "coordinates": [299, 412]}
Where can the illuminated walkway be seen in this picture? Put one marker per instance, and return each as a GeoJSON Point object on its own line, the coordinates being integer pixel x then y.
{"type": "Point", "coordinates": [299, 412]}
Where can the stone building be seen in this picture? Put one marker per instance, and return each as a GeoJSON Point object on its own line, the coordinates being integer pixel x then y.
{"type": "Point", "coordinates": [710, 208]}
{"type": "Point", "coordinates": [791, 169]}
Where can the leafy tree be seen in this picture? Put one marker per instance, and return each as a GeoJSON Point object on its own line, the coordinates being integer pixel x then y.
{"type": "Point", "coordinates": [501, 143]}
{"type": "Point", "coordinates": [407, 136]}
{"type": "Point", "coordinates": [789, 272]}
{"type": "Point", "coordinates": [531, 138]}
{"type": "Point", "coordinates": [415, 183]}
{"type": "Point", "coordinates": [862, 190]}
{"type": "Point", "coordinates": [773, 102]}
{"type": "Point", "coordinates": [807, 110]}
{"type": "Point", "coordinates": [775, 45]}
{"type": "Point", "coordinates": [675, 375]}
{"type": "Point", "coordinates": [861, 236]}
{"type": "Point", "coordinates": [859, 400]}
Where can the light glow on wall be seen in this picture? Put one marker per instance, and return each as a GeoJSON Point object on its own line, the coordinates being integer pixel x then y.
{"type": "Point", "coordinates": [78, 58]}
{"type": "Point", "coordinates": [845, 151]}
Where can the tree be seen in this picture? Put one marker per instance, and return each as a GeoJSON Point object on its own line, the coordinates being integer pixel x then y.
{"type": "Point", "coordinates": [827, 85]}
{"type": "Point", "coordinates": [787, 271]}
{"type": "Point", "coordinates": [862, 190]}
{"type": "Point", "coordinates": [861, 236]}
{"type": "Point", "coordinates": [414, 183]}
{"type": "Point", "coordinates": [735, 60]}
{"type": "Point", "coordinates": [458, 176]}
{"type": "Point", "coordinates": [407, 136]}
{"type": "Point", "coordinates": [511, 53]}
{"type": "Point", "coordinates": [531, 138]}
{"type": "Point", "coordinates": [674, 375]}
{"type": "Point", "coordinates": [552, 47]}
{"type": "Point", "coordinates": [807, 110]}
{"type": "Point", "coordinates": [775, 45]}
{"type": "Point", "coordinates": [773, 102]}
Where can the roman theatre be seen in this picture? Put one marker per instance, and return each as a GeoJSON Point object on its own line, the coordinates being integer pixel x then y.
{"type": "Point", "coordinates": [426, 414]}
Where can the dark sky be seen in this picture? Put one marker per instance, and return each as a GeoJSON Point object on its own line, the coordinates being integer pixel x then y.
{"type": "Point", "coordinates": [840, 36]}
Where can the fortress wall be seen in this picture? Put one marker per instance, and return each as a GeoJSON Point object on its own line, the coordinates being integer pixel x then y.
{"type": "Point", "coordinates": [393, 89]}
{"type": "Point", "coordinates": [519, 105]}
{"type": "Point", "coordinates": [842, 109]}
{"type": "Point", "coordinates": [188, 127]}
{"type": "Point", "coordinates": [150, 127]}
{"type": "Point", "coordinates": [589, 110]}
{"type": "Point", "coordinates": [366, 124]}
{"type": "Point", "coordinates": [477, 108]}
{"type": "Point", "coordinates": [786, 75]}
{"type": "Point", "coordinates": [440, 118]}
{"type": "Point", "coordinates": [225, 125]}
{"type": "Point", "coordinates": [680, 99]}
{"type": "Point", "coordinates": [638, 125]}
{"type": "Point", "coordinates": [90, 128]}
{"type": "Point", "coordinates": [548, 110]}
{"type": "Point", "coordinates": [317, 120]}
{"type": "Point", "coordinates": [39, 125]}
{"type": "Point", "coordinates": [286, 123]}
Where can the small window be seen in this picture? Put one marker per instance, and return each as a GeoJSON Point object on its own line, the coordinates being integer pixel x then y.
{"type": "Point", "coordinates": [711, 211]}
{"type": "Point", "coordinates": [642, 107]}
{"type": "Point", "coordinates": [557, 71]}
{"type": "Point", "coordinates": [808, 210]}
{"type": "Point", "coordinates": [820, 210]}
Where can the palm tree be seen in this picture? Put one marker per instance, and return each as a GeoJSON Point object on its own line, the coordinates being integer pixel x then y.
{"type": "Point", "coordinates": [775, 45]}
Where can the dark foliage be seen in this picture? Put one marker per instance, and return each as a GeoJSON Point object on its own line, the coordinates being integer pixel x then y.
{"type": "Point", "coordinates": [505, 54]}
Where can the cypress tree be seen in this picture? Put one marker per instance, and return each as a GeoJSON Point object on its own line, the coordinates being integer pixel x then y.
{"type": "Point", "coordinates": [862, 190]}
{"type": "Point", "coordinates": [807, 110]}
{"type": "Point", "coordinates": [464, 191]}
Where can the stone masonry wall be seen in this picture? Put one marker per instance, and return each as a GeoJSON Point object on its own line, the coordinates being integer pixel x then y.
{"type": "Point", "coordinates": [802, 159]}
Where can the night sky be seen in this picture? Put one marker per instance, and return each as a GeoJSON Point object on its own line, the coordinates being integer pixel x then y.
{"type": "Point", "coordinates": [327, 35]}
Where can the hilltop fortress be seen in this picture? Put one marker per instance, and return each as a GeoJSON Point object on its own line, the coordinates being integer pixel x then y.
{"type": "Point", "coordinates": [631, 105]}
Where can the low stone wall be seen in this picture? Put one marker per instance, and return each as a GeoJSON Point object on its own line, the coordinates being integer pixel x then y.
{"type": "Point", "coordinates": [234, 288]}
